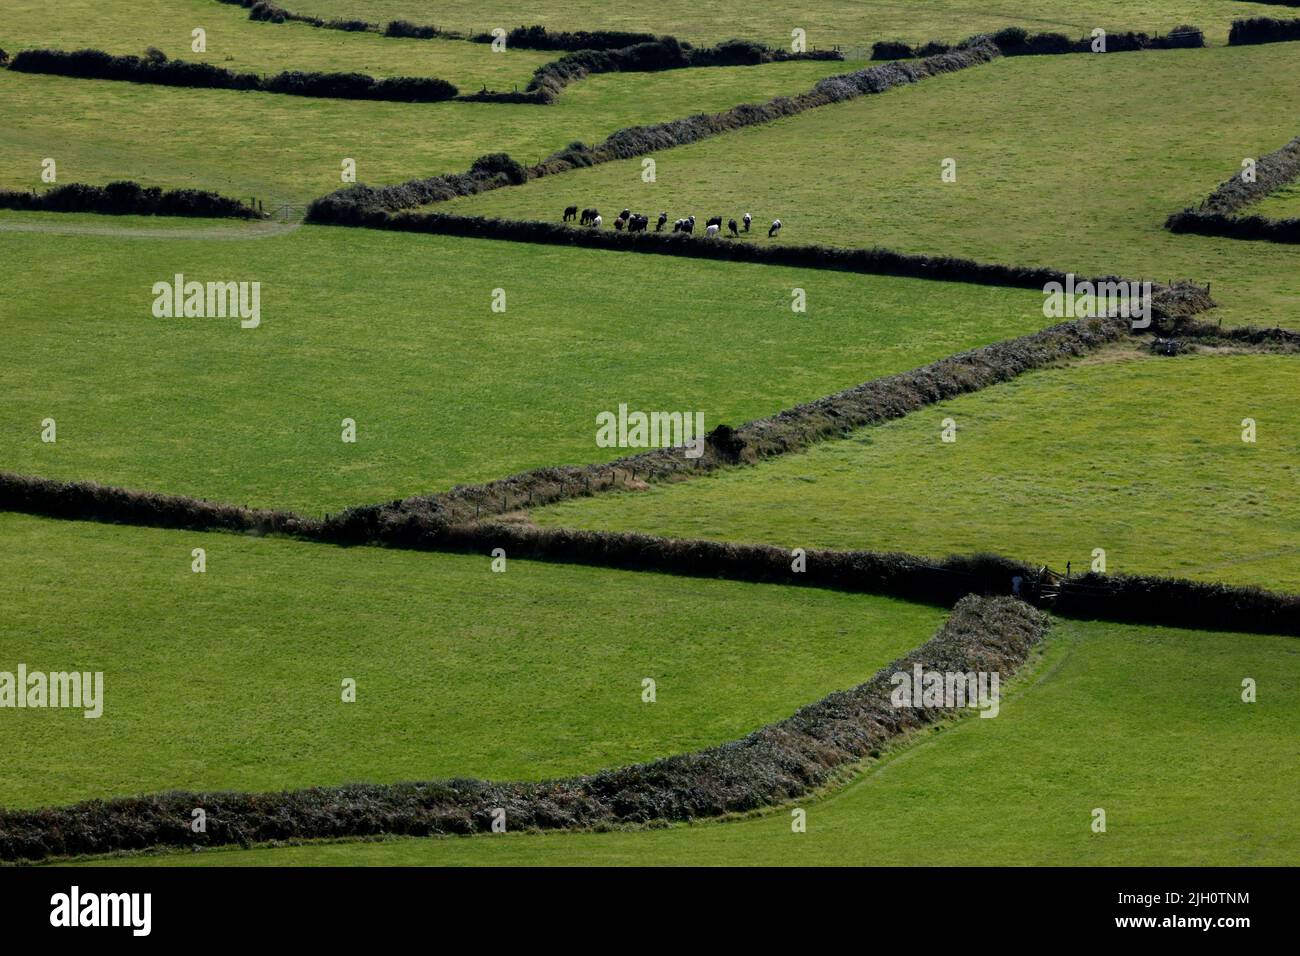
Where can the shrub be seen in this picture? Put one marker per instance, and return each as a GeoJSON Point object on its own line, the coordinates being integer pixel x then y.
{"type": "Point", "coordinates": [405, 28]}
{"type": "Point", "coordinates": [891, 50]}
{"type": "Point", "coordinates": [1263, 30]}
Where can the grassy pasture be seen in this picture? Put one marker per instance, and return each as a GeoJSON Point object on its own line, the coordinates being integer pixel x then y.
{"type": "Point", "coordinates": [397, 332]}
{"type": "Point", "coordinates": [1069, 161]}
{"type": "Point", "coordinates": [237, 43]}
{"type": "Point", "coordinates": [231, 679]}
{"type": "Point", "coordinates": [827, 22]}
{"type": "Point", "coordinates": [1141, 457]}
{"type": "Point", "coordinates": [1145, 723]}
{"type": "Point", "coordinates": [289, 148]}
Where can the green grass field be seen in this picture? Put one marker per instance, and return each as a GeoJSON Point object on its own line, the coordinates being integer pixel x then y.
{"type": "Point", "coordinates": [231, 679]}
{"type": "Point", "coordinates": [1142, 457]}
{"type": "Point", "coordinates": [827, 22]}
{"type": "Point", "coordinates": [1144, 723]}
{"type": "Point", "coordinates": [237, 43]}
{"type": "Point", "coordinates": [1066, 161]}
{"type": "Point", "coordinates": [289, 148]}
{"type": "Point", "coordinates": [397, 333]}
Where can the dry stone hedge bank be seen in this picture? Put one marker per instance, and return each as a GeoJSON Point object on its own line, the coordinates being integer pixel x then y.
{"type": "Point", "coordinates": [783, 761]}
{"type": "Point", "coordinates": [354, 204]}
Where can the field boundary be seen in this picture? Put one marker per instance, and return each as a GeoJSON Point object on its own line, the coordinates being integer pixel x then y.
{"type": "Point", "coordinates": [1217, 213]}
{"type": "Point", "coordinates": [1017, 41]}
{"type": "Point", "coordinates": [782, 761]}
{"type": "Point", "coordinates": [128, 198]}
{"type": "Point", "coordinates": [156, 68]}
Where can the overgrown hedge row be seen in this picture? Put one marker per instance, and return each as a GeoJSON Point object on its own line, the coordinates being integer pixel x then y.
{"type": "Point", "coordinates": [1263, 30]}
{"type": "Point", "coordinates": [129, 198]}
{"type": "Point", "coordinates": [1164, 601]}
{"type": "Point", "coordinates": [1215, 215]}
{"type": "Point", "coordinates": [157, 68]}
{"type": "Point", "coordinates": [1017, 41]}
{"type": "Point", "coordinates": [665, 53]}
{"type": "Point", "coordinates": [355, 205]}
{"type": "Point", "coordinates": [1234, 227]}
{"type": "Point", "coordinates": [88, 501]}
{"type": "Point", "coordinates": [537, 37]}
{"type": "Point", "coordinates": [777, 763]}
{"type": "Point", "coordinates": [273, 13]}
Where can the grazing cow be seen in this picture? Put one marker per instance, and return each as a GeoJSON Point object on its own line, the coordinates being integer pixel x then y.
{"type": "Point", "coordinates": [625, 215]}
{"type": "Point", "coordinates": [776, 227]}
{"type": "Point", "coordinates": [588, 215]}
{"type": "Point", "coordinates": [715, 221]}
{"type": "Point", "coordinates": [570, 212]}
{"type": "Point", "coordinates": [748, 219]}
{"type": "Point", "coordinates": [663, 218]}
{"type": "Point", "coordinates": [711, 230]}
{"type": "Point", "coordinates": [618, 224]}
{"type": "Point", "coordinates": [638, 223]}
{"type": "Point", "coordinates": [596, 221]}
{"type": "Point", "coordinates": [731, 224]}
{"type": "Point", "coordinates": [688, 226]}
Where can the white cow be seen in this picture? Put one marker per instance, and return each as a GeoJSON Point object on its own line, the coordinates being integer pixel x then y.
{"type": "Point", "coordinates": [595, 223]}
{"type": "Point", "coordinates": [712, 231]}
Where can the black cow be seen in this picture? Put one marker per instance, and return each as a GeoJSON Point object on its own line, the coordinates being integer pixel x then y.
{"type": "Point", "coordinates": [731, 224]}
{"type": "Point", "coordinates": [588, 215]}
{"type": "Point", "coordinates": [715, 221]}
{"type": "Point", "coordinates": [638, 223]}
{"type": "Point", "coordinates": [570, 212]}
{"type": "Point", "coordinates": [663, 218]}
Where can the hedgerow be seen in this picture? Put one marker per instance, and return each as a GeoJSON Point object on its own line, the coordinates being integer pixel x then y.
{"type": "Point", "coordinates": [129, 198]}
{"type": "Point", "coordinates": [156, 68]}
{"type": "Point", "coordinates": [1263, 30]}
{"type": "Point", "coordinates": [782, 761]}
{"type": "Point", "coordinates": [1017, 41]}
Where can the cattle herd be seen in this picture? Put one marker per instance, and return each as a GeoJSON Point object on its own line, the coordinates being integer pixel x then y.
{"type": "Point", "coordinates": [635, 222]}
